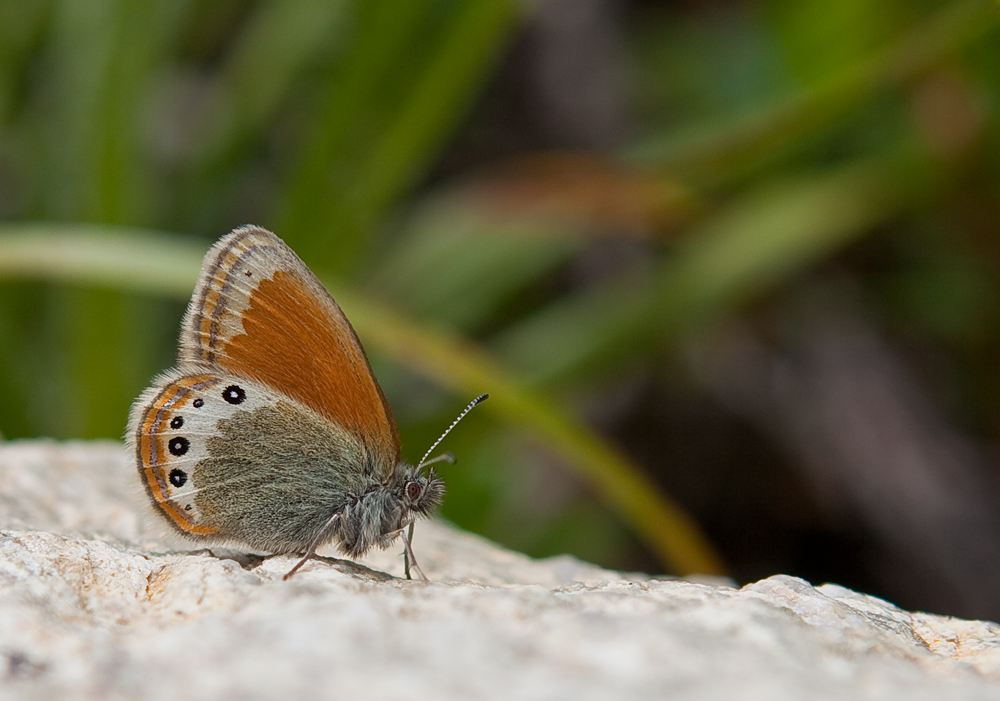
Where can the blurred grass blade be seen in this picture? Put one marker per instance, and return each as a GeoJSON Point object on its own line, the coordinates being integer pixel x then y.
{"type": "Point", "coordinates": [389, 109]}
{"type": "Point", "coordinates": [764, 239]}
{"type": "Point", "coordinates": [132, 259]}
{"type": "Point", "coordinates": [101, 57]}
{"type": "Point", "coordinates": [498, 236]}
{"type": "Point", "coordinates": [717, 150]}
{"type": "Point", "coordinates": [103, 54]}
{"type": "Point", "coordinates": [155, 264]}
{"type": "Point", "coordinates": [468, 49]}
{"type": "Point", "coordinates": [279, 39]}
{"type": "Point", "coordinates": [459, 267]}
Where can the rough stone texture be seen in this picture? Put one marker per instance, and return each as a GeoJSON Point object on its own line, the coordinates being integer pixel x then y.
{"type": "Point", "coordinates": [95, 605]}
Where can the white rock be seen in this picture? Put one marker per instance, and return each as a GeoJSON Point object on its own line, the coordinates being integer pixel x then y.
{"type": "Point", "coordinates": [94, 605]}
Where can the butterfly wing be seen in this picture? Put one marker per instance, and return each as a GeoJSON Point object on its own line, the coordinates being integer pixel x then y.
{"type": "Point", "coordinates": [228, 460]}
{"type": "Point", "coordinates": [165, 456]}
{"type": "Point", "coordinates": [259, 313]}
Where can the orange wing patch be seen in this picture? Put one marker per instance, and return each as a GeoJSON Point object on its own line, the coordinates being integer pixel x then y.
{"type": "Point", "coordinates": [259, 313]}
{"type": "Point", "coordinates": [289, 343]}
{"type": "Point", "coordinates": [150, 452]}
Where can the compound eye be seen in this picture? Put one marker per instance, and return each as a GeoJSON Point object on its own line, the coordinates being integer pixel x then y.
{"type": "Point", "coordinates": [413, 491]}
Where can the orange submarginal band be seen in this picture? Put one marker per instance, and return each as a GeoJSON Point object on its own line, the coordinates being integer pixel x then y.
{"type": "Point", "coordinates": [149, 446]}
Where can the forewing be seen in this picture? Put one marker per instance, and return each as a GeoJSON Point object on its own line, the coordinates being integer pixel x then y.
{"type": "Point", "coordinates": [259, 313]}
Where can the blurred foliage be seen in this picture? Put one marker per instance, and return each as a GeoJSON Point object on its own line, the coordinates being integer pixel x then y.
{"type": "Point", "coordinates": [401, 149]}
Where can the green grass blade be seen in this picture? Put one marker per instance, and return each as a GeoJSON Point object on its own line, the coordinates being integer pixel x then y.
{"type": "Point", "coordinates": [734, 146]}
{"type": "Point", "coordinates": [399, 94]}
{"type": "Point", "coordinates": [758, 243]}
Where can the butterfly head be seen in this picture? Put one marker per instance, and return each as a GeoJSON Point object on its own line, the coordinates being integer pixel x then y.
{"type": "Point", "coordinates": [421, 493]}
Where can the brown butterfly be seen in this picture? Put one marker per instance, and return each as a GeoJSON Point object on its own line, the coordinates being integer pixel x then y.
{"type": "Point", "coordinates": [272, 432]}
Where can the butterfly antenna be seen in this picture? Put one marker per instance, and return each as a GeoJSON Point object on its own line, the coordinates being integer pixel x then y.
{"type": "Point", "coordinates": [472, 405]}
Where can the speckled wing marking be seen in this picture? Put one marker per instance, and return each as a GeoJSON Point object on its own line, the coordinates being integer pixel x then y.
{"type": "Point", "coordinates": [153, 454]}
{"type": "Point", "coordinates": [254, 297]}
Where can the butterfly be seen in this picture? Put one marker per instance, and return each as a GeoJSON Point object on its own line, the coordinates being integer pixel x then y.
{"type": "Point", "coordinates": [271, 432]}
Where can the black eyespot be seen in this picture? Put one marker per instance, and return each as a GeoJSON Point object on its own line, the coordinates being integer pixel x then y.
{"type": "Point", "coordinates": [187, 507]}
{"type": "Point", "coordinates": [177, 422]}
{"type": "Point", "coordinates": [413, 491]}
{"type": "Point", "coordinates": [178, 446]}
{"type": "Point", "coordinates": [198, 403]}
{"type": "Point", "coordinates": [178, 477]}
{"type": "Point", "coordinates": [234, 394]}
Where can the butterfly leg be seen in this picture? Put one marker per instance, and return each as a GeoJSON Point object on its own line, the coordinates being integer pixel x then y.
{"type": "Point", "coordinates": [409, 560]}
{"type": "Point", "coordinates": [314, 544]}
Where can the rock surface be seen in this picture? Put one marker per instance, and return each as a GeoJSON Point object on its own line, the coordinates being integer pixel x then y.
{"type": "Point", "coordinates": [95, 605]}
